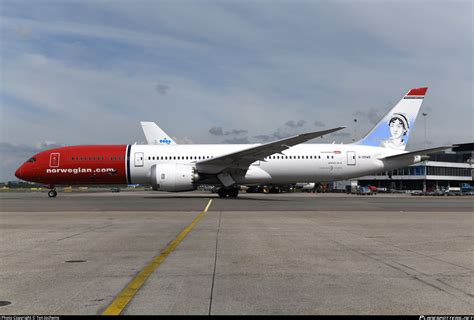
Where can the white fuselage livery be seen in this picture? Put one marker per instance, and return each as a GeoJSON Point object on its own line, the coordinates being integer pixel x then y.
{"type": "Point", "coordinates": [301, 163]}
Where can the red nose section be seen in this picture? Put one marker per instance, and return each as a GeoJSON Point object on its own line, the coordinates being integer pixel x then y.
{"type": "Point", "coordinates": [19, 173]}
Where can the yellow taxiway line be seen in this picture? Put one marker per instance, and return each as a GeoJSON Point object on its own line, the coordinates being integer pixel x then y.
{"type": "Point", "coordinates": [127, 294]}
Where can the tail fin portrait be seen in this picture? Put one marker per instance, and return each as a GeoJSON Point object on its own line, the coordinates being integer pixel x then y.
{"type": "Point", "coordinates": [393, 131]}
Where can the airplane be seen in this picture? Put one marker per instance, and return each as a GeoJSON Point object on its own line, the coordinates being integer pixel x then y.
{"type": "Point", "coordinates": [155, 135]}
{"type": "Point", "coordinates": [176, 168]}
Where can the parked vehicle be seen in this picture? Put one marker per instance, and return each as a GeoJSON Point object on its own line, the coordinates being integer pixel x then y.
{"type": "Point", "coordinates": [364, 191]}
{"type": "Point", "coordinates": [466, 188]}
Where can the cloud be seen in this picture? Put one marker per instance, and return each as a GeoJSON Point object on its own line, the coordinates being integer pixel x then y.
{"type": "Point", "coordinates": [238, 131]}
{"type": "Point", "coordinates": [277, 135]}
{"type": "Point", "coordinates": [295, 124]}
{"type": "Point", "coordinates": [162, 88]}
{"type": "Point", "coordinates": [341, 134]}
{"type": "Point", "coordinates": [184, 140]}
{"type": "Point", "coordinates": [236, 140]}
{"type": "Point", "coordinates": [373, 115]}
{"type": "Point", "coordinates": [318, 124]}
{"type": "Point", "coordinates": [218, 131]}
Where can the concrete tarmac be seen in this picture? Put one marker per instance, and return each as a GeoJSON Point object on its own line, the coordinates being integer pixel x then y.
{"type": "Point", "coordinates": [259, 254]}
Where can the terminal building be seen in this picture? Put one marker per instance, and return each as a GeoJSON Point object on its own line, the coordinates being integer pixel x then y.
{"type": "Point", "coordinates": [441, 171]}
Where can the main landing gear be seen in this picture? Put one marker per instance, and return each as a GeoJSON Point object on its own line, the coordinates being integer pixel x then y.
{"type": "Point", "coordinates": [230, 192]}
{"type": "Point", "coordinates": [52, 193]}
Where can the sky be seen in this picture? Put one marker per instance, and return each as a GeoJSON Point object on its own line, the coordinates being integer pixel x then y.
{"type": "Point", "coordinates": [247, 71]}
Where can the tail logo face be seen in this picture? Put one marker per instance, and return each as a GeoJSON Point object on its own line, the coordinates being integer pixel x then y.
{"type": "Point", "coordinates": [399, 128]}
{"type": "Point", "coordinates": [393, 131]}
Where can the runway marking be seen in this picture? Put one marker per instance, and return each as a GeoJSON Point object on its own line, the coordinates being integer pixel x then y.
{"type": "Point", "coordinates": [127, 294]}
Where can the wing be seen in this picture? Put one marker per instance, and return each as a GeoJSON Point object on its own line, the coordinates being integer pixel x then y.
{"type": "Point", "coordinates": [242, 159]}
{"type": "Point", "coordinates": [415, 153]}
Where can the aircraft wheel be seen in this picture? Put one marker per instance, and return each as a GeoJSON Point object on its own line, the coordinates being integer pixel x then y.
{"type": "Point", "coordinates": [222, 192]}
{"type": "Point", "coordinates": [233, 193]}
{"type": "Point", "coordinates": [52, 193]}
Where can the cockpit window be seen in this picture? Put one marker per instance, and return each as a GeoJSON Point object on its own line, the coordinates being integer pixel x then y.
{"type": "Point", "coordinates": [31, 159]}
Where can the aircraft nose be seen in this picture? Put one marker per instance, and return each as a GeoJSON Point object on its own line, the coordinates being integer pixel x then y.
{"type": "Point", "coordinates": [19, 173]}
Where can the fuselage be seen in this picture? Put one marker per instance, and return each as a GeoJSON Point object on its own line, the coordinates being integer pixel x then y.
{"type": "Point", "coordinates": [184, 167]}
{"type": "Point", "coordinates": [133, 164]}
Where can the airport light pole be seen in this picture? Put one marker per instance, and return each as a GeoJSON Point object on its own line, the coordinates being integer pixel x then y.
{"type": "Point", "coordinates": [424, 114]}
{"type": "Point", "coordinates": [424, 121]}
{"type": "Point", "coordinates": [355, 130]}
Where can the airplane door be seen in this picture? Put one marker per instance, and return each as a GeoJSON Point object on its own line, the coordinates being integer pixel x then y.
{"type": "Point", "coordinates": [351, 158]}
{"type": "Point", "coordinates": [54, 160]}
{"type": "Point", "coordinates": [138, 159]}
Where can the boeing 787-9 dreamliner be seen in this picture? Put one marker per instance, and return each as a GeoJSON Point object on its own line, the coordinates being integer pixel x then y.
{"type": "Point", "coordinates": [175, 168]}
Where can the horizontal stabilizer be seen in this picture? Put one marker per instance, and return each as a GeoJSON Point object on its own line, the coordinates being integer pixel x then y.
{"type": "Point", "coordinates": [415, 153]}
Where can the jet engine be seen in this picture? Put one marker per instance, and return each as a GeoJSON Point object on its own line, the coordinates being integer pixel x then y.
{"type": "Point", "coordinates": [173, 177]}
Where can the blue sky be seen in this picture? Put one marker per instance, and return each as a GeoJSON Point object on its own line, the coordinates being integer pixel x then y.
{"type": "Point", "coordinates": [86, 72]}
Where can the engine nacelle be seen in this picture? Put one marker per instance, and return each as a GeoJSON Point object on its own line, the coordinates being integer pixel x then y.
{"type": "Point", "coordinates": [173, 177]}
